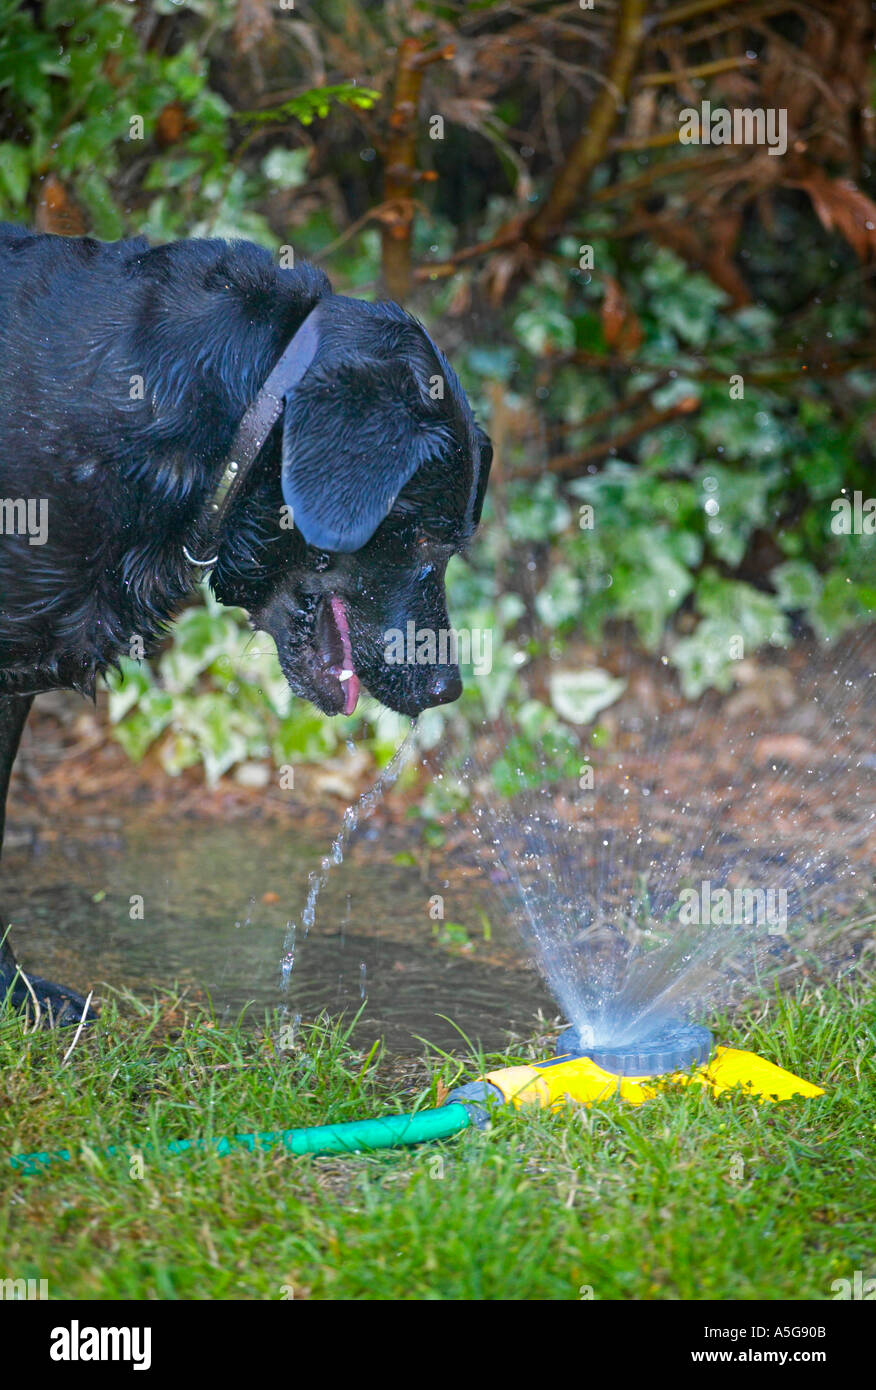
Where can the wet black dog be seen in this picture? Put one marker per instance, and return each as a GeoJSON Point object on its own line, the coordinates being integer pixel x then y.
{"type": "Point", "coordinates": [125, 372]}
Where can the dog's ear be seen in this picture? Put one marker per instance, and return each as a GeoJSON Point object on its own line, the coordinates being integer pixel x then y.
{"type": "Point", "coordinates": [352, 438]}
{"type": "Point", "coordinates": [483, 474]}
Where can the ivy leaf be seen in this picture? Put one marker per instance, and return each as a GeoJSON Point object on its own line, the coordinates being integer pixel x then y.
{"type": "Point", "coordinates": [14, 172]}
{"type": "Point", "coordinates": [578, 696]}
{"type": "Point", "coordinates": [798, 585]}
{"type": "Point", "coordinates": [757, 616]}
{"type": "Point", "coordinates": [541, 330]}
{"type": "Point", "coordinates": [105, 219]}
{"type": "Point", "coordinates": [651, 584]}
{"type": "Point", "coordinates": [561, 599]}
{"type": "Point", "coordinates": [286, 168]}
{"type": "Point", "coordinates": [706, 659]}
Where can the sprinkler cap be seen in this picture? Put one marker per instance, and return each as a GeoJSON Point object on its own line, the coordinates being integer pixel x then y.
{"type": "Point", "coordinates": [675, 1046]}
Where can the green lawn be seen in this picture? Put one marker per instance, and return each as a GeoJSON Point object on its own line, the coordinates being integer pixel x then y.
{"type": "Point", "coordinates": [631, 1202]}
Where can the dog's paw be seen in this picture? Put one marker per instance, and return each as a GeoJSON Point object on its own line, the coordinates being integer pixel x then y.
{"type": "Point", "coordinates": [47, 1005]}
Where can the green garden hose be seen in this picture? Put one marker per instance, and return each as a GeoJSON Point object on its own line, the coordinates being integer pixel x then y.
{"type": "Point", "coordinates": [352, 1137]}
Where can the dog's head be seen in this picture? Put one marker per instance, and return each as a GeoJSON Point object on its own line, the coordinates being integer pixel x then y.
{"type": "Point", "coordinates": [384, 471]}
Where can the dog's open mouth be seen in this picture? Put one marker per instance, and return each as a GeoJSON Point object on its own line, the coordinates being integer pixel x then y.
{"type": "Point", "coordinates": [334, 655]}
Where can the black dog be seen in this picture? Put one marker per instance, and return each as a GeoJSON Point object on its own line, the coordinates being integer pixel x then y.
{"type": "Point", "coordinates": [131, 451]}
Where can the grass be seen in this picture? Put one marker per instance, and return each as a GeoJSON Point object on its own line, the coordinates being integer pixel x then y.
{"type": "Point", "coordinates": [686, 1197]}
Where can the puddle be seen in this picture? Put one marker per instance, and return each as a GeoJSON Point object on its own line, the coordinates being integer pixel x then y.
{"type": "Point", "coordinates": [206, 924]}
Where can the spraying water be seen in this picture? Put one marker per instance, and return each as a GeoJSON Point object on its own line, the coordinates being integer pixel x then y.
{"type": "Point", "coordinates": [694, 857]}
{"type": "Point", "coordinates": [354, 815]}
{"type": "Point", "coordinates": [645, 904]}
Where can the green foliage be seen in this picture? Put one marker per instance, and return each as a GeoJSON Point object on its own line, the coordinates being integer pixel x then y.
{"type": "Point", "coordinates": [530, 759]}
{"type": "Point", "coordinates": [660, 533]}
{"type": "Point", "coordinates": [307, 106]}
{"type": "Point", "coordinates": [88, 97]}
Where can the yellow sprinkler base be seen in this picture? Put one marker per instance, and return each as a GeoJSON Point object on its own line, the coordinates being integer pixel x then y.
{"type": "Point", "coordinates": [551, 1084]}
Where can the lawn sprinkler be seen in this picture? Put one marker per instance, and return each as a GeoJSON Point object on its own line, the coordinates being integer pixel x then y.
{"type": "Point", "coordinates": [675, 1053]}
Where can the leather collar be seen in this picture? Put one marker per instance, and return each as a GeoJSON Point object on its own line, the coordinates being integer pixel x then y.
{"type": "Point", "coordinates": [252, 432]}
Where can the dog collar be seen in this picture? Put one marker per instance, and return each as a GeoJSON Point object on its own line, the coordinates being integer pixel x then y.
{"type": "Point", "coordinates": [252, 432]}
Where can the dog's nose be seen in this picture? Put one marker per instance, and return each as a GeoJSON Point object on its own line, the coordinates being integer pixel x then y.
{"type": "Point", "coordinates": [444, 687]}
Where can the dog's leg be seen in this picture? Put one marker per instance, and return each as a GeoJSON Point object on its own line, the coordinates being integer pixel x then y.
{"type": "Point", "coordinates": [57, 1005]}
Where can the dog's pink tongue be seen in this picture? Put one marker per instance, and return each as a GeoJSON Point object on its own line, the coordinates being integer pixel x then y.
{"type": "Point", "coordinates": [349, 679]}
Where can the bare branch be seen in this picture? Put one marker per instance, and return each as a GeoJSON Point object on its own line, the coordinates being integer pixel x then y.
{"type": "Point", "coordinates": [570, 465]}
{"type": "Point", "coordinates": [590, 147]}
{"type": "Point", "coordinates": [400, 165]}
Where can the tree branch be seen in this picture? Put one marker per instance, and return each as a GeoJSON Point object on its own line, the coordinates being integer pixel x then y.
{"type": "Point", "coordinates": [513, 232]}
{"type": "Point", "coordinates": [711, 69]}
{"type": "Point", "coordinates": [570, 465]}
{"type": "Point", "coordinates": [688, 11]}
{"type": "Point", "coordinates": [400, 165]}
{"type": "Point", "coordinates": [590, 147]}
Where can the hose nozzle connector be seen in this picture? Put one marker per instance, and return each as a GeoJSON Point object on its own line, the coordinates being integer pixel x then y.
{"type": "Point", "coordinates": [477, 1097]}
